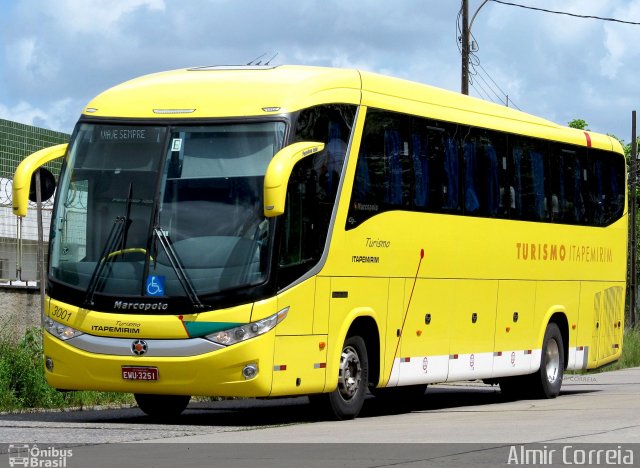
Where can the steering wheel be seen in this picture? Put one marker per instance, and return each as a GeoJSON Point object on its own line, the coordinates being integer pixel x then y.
{"type": "Point", "coordinates": [130, 250]}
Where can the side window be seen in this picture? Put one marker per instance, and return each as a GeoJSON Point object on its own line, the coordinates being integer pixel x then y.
{"type": "Point", "coordinates": [484, 178]}
{"type": "Point", "coordinates": [528, 179]}
{"type": "Point", "coordinates": [406, 163]}
{"type": "Point", "coordinates": [384, 172]}
{"type": "Point", "coordinates": [607, 186]}
{"type": "Point", "coordinates": [568, 164]}
{"type": "Point", "coordinates": [436, 166]}
{"type": "Point", "coordinates": [312, 189]}
{"type": "Point", "coordinates": [419, 164]}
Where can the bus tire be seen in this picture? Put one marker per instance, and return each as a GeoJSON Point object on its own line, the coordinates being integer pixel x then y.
{"type": "Point", "coordinates": [162, 406]}
{"type": "Point", "coordinates": [547, 381]}
{"type": "Point", "coordinates": [346, 401]}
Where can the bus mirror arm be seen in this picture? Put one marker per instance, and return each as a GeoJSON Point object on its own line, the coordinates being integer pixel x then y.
{"type": "Point", "coordinates": [22, 178]}
{"type": "Point", "coordinates": [278, 172]}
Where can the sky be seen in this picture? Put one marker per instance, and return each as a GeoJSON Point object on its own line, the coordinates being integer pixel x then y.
{"type": "Point", "coordinates": [56, 55]}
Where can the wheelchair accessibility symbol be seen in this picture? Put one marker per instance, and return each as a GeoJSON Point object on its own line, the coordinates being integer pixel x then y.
{"type": "Point", "coordinates": [155, 285]}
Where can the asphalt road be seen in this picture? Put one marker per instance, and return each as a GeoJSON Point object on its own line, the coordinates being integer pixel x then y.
{"type": "Point", "coordinates": [463, 424]}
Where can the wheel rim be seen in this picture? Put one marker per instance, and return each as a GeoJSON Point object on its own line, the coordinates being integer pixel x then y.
{"type": "Point", "coordinates": [350, 373]}
{"type": "Point", "coordinates": [552, 361]}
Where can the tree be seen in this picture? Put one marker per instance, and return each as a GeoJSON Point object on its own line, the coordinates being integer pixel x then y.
{"type": "Point", "coordinates": [579, 124]}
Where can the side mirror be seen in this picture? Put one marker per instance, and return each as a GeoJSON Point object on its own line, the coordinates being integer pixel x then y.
{"type": "Point", "coordinates": [47, 185]}
{"type": "Point", "coordinates": [279, 171]}
{"type": "Point", "coordinates": [22, 185]}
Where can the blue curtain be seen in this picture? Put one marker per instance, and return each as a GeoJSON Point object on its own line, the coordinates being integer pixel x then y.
{"type": "Point", "coordinates": [493, 186]}
{"type": "Point", "coordinates": [452, 171]}
{"type": "Point", "coordinates": [471, 201]}
{"type": "Point", "coordinates": [421, 170]}
{"type": "Point", "coordinates": [537, 173]}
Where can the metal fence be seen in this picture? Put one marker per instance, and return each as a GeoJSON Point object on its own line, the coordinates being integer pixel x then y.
{"type": "Point", "coordinates": [18, 244]}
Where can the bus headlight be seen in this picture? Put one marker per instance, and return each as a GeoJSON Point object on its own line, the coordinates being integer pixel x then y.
{"type": "Point", "coordinates": [59, 330]}
{"type": "Point", "coordinates": [250, 330]}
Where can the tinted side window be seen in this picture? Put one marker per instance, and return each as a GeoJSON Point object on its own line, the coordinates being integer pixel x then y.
{"type": "Point", "coordinates": [405, 163]}
{"type": "Point", "coordinates": [528, 179]}
{"type": "Point", "coordinates": [607, 186]}
{"type": "Point", "coordinates": [312, 189]}
{"type": "Point", "coordinates": [484, 173]}
{"type": "Point", "coordinates": [420, 164]}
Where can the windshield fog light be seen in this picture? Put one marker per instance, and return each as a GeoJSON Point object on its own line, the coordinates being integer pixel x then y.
{"type": "Point", "coordinates": [250, 371]}
{"type": "Point", "coordinates": [48, 362]}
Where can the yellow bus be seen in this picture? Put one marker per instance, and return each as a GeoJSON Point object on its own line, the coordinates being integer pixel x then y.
{"type": "Point", "coordinates": [288, 230]}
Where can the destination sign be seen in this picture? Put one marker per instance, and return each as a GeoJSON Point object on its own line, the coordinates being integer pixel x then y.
{"type": "Point", "coordinates": [129, 134]}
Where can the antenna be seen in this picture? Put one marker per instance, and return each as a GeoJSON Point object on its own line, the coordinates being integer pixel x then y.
{"type": "Point", "coordinates": [274, 56]}
{"type": "Point", "coordinates": [257, 58]}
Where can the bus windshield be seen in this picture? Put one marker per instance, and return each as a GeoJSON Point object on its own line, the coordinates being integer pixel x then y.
{"type": "Point", "coordinates": [164, 210]}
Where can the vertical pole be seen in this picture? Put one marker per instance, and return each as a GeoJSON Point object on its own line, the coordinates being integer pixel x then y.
{"type": "Point", "coordinates": [40, 257]}
{"type": "Point", "coordinates": [633, 182]}
{"type": "Point", "coordinates": [465, 47]}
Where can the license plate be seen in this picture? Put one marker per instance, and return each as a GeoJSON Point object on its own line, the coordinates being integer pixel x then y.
{"type": "Point", "coordinates": [140, 373]}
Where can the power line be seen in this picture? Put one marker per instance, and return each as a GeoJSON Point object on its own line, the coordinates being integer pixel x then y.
{"type": "Point", "coordinates": [575, 15]}
{"type": "Point", "coordinates": [509, 101]}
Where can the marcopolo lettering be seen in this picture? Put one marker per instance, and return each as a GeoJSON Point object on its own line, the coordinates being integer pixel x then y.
{"type": "Point", "coordinates": [140, 305]}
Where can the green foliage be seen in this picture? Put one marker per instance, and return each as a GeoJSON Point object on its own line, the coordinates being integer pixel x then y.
{"type": "Point", "coordinates": [630, 350]}
{"type": "Point", "coordinates": [23, 385]}
{"type": "Point", "coordinates": [579, 124]}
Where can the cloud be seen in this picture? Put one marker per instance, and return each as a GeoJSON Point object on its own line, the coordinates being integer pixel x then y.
{"type": "Point", "coordinates": [56, 116]}
{"type": "Point", "coordinates": [74, 49]}
{"type": "Point", "coordinates": [91, 17]}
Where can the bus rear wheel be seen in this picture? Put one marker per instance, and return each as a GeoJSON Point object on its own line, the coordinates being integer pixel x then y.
{"type": "Point", "coordinates": [346, 401]}
{"type": "Point", "coordinates": [162, 406]}
{"type": "Point", "coordinates": [547, 381]}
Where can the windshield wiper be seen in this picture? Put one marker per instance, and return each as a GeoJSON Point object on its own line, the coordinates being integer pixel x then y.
{"type": "Point", "coordinates": [179, 270]}
{"type": "Point", "coordinates": [117, 236]}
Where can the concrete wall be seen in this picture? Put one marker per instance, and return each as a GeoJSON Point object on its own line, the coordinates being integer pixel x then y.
{"type": "Point", "coordinates": [19, 311]}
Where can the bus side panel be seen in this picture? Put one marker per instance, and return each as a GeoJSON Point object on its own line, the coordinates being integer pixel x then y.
{"type": "Point", "coordinates": [611, 323]}
{"type": "Point", "coordinates": [555, 297]}
{"type": "Point", "coordinates": [352, 298]}
{"type": "Point", "coordinates": [299, 365]}
{"type": "Point", "coordinates": [514, 321]}
{"type": "Point", "coordinates": [601, 324]}
{"type": "Point", "coordinates": [300, 300]}
{"type": "Point", "coordinates": [423, 356]}
{"type": "Point", "coordinates": [473, 330]}
{"type": "Point", "coordinates": [395, 313]}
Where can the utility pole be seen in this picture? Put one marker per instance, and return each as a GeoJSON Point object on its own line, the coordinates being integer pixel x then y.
{"type": "Point", "coordinates": [464, 39]}
{"type": "Point", "coordinates": [633, 234]}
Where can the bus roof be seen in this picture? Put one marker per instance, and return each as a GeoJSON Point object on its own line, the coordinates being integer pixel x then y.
{"type": "Point", "coordinates": [239, 91]}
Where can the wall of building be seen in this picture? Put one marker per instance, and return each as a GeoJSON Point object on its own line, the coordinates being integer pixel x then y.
{"type": "Point", "coordinates": [19, 296]}
{"type": "Point", "coordinates": [19, 311]}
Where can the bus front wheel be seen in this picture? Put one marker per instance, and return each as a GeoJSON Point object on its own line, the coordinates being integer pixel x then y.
{"type": "Point", "coordinates": [346, 401]}
{"type": "Point", "coordinates": [162, 406]}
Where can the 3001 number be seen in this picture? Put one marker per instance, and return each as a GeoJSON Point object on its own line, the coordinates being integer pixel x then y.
{"type": "Point", "coordinates": [61, 314]}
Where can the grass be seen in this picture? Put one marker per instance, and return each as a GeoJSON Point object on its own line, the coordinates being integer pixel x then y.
{"type": "Point", "coordinates": [23, 385]}
{"type": "Point", "coordinates": [630, 350]}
